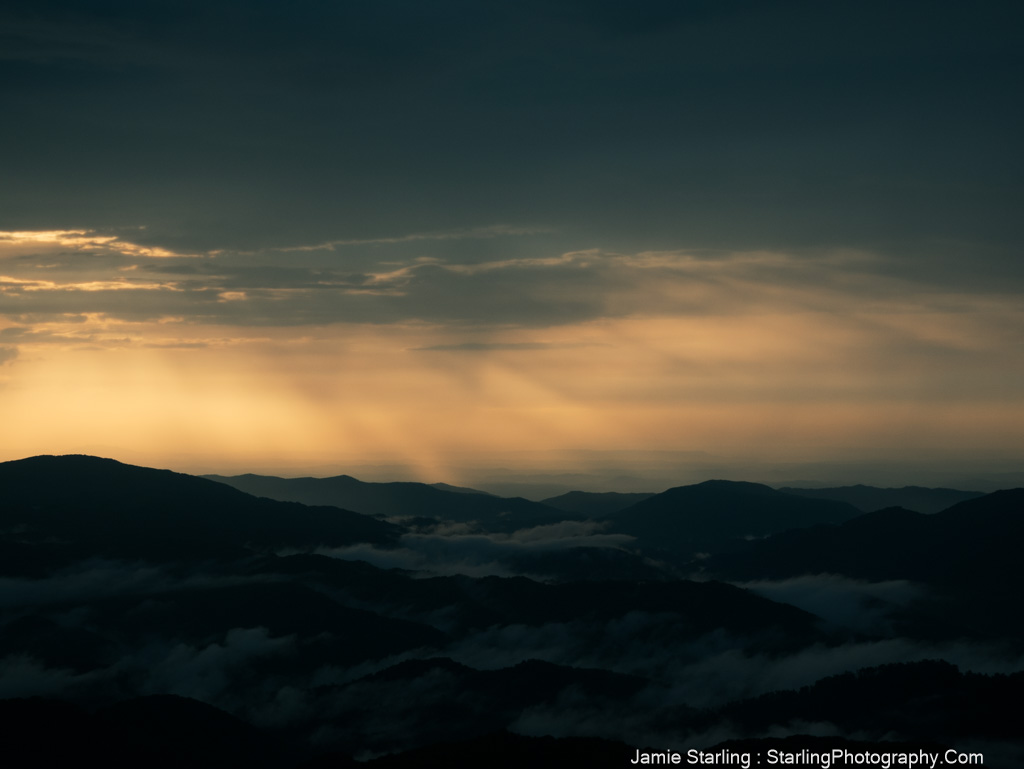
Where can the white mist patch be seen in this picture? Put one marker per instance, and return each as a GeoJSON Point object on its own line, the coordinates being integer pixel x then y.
{"type": "Point", "coordinates": [99, 578]}
{"type": "Point", "coordinates": [850, 603]}
{"type": "Point", "coordinates": [733, 673]}
{"type": "Point", "coordinates": [480, 555]}
{"type": "Point", "coordinates": [84, 581]}
{"type": "Point", "coordinates": [24, 676]}
{"type": "Point", "coordinates": [712, 669]}
{"type": "Point", "coordinates": [205, 673]}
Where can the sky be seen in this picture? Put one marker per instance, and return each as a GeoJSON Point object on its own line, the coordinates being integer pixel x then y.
{"type": "Point", "coordinates": [560, 236]}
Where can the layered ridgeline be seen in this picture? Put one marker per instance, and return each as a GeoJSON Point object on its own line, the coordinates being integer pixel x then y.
{"type": "Point", "coordinates": [973, 543]}
{"type": "Point", "coordinates": [965, 559]}
{"type": "Point", "coordinates": [870, 498]}
{"type": "Point", "coordinates": [595, 504]}
{"type": "Point", "coordinates": [71, 507]}
{"type": "Point", "coordinates": [721, 515]}
{"type": "Point", "coordinates": [172, 620]}
{"type": "Point", "coordinates": [398, 499]}
{"type": "Point", "coordinates": [123, 582]}
{"type": "Point", "coordinates": [709, 516]}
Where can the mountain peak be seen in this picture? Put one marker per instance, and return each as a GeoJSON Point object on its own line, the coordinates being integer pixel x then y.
{"type": "Point", "coordinates": [719, 514]}
{"type": "Point", "coordinates": [721, 483]}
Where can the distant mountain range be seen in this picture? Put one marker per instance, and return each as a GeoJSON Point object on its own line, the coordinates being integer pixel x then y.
{"type": "Point", "coordinates": [478, 603]}
{"type": "Point", "coordinates": [399, 499]}
{"type": "Point", "coordinates": [595, 504]}
{"type": "Point", "coordinates": [886, 699]}
{"type": "Point", "coordinates": [187, 622]}
{"type": "Point", "coordinates": [721, 515]}
{"type": "Point", "coordinates": [969, 555]}
{"type": "Point", "coordinates": [870, 498]}
{"type": "Point", "coordinates": [971, 543]}
{"type": "Point", "coordinates": [456, 701]}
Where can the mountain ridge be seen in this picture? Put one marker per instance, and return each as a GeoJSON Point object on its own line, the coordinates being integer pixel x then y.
{"type": "Point", "coordinates": [720, 515]}
{"type": "Point", "coordinates": [104, 507]}
{"type": "Point", "coordinates": [396, 499]}
{"type": "Point", "coordinates": [922, 499]}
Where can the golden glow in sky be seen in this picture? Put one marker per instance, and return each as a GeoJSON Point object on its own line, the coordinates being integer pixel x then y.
{"type": "Point", "coordinates": [760, 354]}
{"type": "Point", "coordinates": [311, 235]}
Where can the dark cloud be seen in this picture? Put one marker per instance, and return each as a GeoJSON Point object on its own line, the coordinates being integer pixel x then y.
{"type": "Point", "coordinates": [481, 173]}
{"type": "Point", "coordinates": [546, 289]}
{"type": "Point", "coordinates": [655, 125]}
{"type": "Point", "coordinates": [304, 150]}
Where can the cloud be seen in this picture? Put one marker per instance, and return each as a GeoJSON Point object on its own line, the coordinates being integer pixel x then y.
{"type": "Point", "coordinates": [487, 346]}
{"type": "Point", "coordinates": [731, 673]}
{"type": "Point", "coordinates": [207, 673]}
{"type": "Point", "coordinates": [7, 354]}
{"type": "Point", "coordinates": [24, 676]}
{"type": "Point", "coordinates": [855, 604]}
{"type": "Point", "coordinates": [37, 242]}
{"type": "Point", "coordinates": [684, 671]}
{"type": "Point", "coordinates": [475, 233]}
{"type": "Point", "coordinates": [82, 332]}
{"type": "Point", "coordinates": [714, 668]}
{"type": "Point", "coordinates": [28, 334]}
{"type": "Point", "coordinates": [177, 345]}
{"type": "Point", "coordinates": [243, 132]}
{"type": "Point", "coordinates": [481, 555]}
{"type": "Point", "coordinates": [532, 181]}
{"type": "Point", "coordinates": [488, 297]}
{"type": "Point", "coordinates": [212, 673]}
{"type": "Point", "coordinates": [722, 351]}
{"type": "Point", "coordinates": [98, 578]}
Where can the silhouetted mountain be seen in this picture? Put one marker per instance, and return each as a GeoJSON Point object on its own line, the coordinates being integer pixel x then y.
{"type": "Point", "coordinates": [974, 543]}
{"type": "Point", "coordinates": [459, 489]}
{"type": "Point", "coordinates": [397, 499]}
{"type": "Point", "coordinates": [56, 646]}
{"type": "Point", "coordinates": [869, 498]}
{"type": "Point", "coordinates": [325, 631]}
{"type": "Point", "coordinates": [719, 515]}
{"type": "Point", "coordinates": [124, 587]}
{"type": "Point", "coordinates": [574, 564]}
{"type": "Point", "coordinates": [40, 733]}
{"type": "Point", "coordinates": [469, 603]}
{"type": "Point", "coordinates": [968, 554]}
{"type": "Point", "coordinates": [594, 504]}
{"type": "Point", "coordinates": [928, 700]}
{"type": "Point", "coordinates": [193, 733]}
{"type": "Point", "coordinates": [434, 700]}
{"type": "Point", "coordinates": [163, 732]}
{"type": "Point", "coordinates": [531, 681]}
{"type": "Point", "coordinates": [66, 507]}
